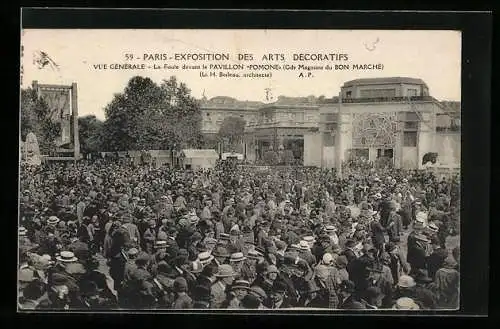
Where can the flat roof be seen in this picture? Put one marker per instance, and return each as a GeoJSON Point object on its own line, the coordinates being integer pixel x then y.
{"type": "Point", "coordinates": [382, 81]}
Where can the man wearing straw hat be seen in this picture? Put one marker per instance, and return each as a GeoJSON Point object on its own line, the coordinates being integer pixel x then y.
{"type": "Point", "coordinates": [236, 261]}
{"type": "Point", "coordinates": [238, 290]}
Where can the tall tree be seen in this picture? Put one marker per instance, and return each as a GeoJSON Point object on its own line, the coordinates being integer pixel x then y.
{"type": "Point", "coordinates": [232, 130]}
{"type": "Point", "coordinates": [150, 116]}
{"type": "Point", "coordinates": [90, 134]}
{"type": "Point", "coordinates": [183, 114]}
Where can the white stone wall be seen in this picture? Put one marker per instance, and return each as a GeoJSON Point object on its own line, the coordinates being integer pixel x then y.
{"type": "Point", "coordinates": [425, 140]}
{"type": "Point", "coordinates": [409, 158]}
{"type": "Point", "coordinates": [312, 149]}
{"type": "Point", "coordinates": [344, 135]}
{"type": "Point", "coordinates": [448, 147]}
{"type": "Point", "coordinates": [329, 157]}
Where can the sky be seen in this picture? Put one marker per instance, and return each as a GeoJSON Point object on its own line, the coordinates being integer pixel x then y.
{"type": "Point", "coordinates": [434, 56]}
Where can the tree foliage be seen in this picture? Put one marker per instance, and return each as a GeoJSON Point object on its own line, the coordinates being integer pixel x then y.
{"type": "Point", "coordinates": [35, 118]}
{"type": "Point", "coordinates": [151, 116]}
{"type": "Point", "coordinates": [90, 134]}
{"type": "Point", "coordinates": [232, 130]}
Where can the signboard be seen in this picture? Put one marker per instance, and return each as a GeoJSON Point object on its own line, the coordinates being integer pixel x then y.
{"type": "Point", "coordinates": [58, 101]}
{"type": "Point", "coordinates": [62, 103]}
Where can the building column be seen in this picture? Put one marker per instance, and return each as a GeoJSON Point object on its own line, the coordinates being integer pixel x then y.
{"type": "Point", "coordinates": [74, 110]}
{"type": "Point", "coordinates": [398, 142]}
{"type": "Point", "coordinates": [372, 154]}
{"type": "Point", "coordinates": [425, 138]}
{"type": "Point", "coordinates": [344, 137]}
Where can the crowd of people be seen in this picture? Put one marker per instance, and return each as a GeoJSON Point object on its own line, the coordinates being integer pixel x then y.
{"type": "Point", "coordinates": [104, 235]}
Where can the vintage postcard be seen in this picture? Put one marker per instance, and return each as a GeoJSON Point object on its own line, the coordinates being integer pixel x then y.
{"type": "Point", "coordinates": [239, 170]}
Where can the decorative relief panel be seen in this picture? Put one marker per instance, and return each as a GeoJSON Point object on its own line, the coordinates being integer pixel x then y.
{"type": "Point", "coordinates": [374, 130]}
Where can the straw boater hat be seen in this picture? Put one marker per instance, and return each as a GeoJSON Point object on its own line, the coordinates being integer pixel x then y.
{"type": "Point", "coordinates": [224, 237]}
{"type": "Point", "coordinates": [254, 254]}
{"type": "Point", "coordinates": [433, 227]}
{"type": "Point", "coordinates": [422, 237]}
{"type": "Point", "coordinates": [241, 284]}
{"type": "Point", "coordinates": [327, 259]}
{"type": "Point", "coordinates": [53, 220]}
{"type": "Point", "coordinates": [22, 231]}
{"type": "Point", "coordinates": [237, 257]}
{"type": "Point", "coordinates": [66, 257]}
{"type": "Point", "coordinates": [330, 229]}
{"type": "Point", "coordinates": [309, 239]}
{"type": "Point", "coordinates": [304, 245]}
{"type": "Point", "coordinates": [225, 271]}
{"type": "Point", "coordinates": [205, 257]}
{"type": "Point", "coordinates": [160, 244]}
{"type": "Point", "coordinates": [195, 267]}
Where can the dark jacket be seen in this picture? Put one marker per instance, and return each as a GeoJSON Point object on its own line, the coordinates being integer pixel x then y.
{"type": "Point", "coordinates": [351, 304]}
{"type": "Point", "coordinates": [377, 231]}
{"type": "Point", "coordinates": [417, 257]}
{"type": "Point", "coordinates": [435, 261]}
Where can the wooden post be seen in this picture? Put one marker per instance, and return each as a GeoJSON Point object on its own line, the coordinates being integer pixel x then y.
{"type": "Point", "coordinates": [74, 113]}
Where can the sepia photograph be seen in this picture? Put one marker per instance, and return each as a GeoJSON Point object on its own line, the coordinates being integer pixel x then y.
{"type": "Point", "coordinates": [259, 169]}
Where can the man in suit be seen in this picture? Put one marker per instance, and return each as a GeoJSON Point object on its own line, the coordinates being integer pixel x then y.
{"type": "Point", "coordinates": [278, 297]}
{"type": "Point", "coordinates": [225, 277]}
{"type": "Point", "coordinates": [347, 299]}
{"type": "Point", "coordinates": [349, 251]}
